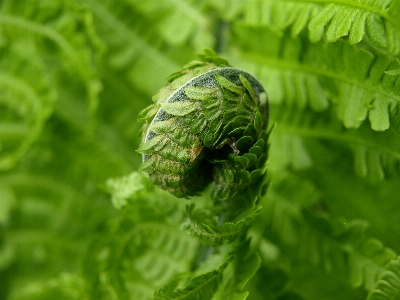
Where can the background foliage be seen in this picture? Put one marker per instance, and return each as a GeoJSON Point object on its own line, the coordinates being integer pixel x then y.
{"type": "Point", "coordinates": [77, 221]}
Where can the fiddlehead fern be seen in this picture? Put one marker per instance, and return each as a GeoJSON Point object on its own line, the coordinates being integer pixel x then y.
{"type": "Point", "coordinates": [207, 125]}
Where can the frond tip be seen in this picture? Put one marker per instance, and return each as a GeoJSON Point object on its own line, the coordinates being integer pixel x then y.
{"type": "Point", "coordinates": [209, 117]}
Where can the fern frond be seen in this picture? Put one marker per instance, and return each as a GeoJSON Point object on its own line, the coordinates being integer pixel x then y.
{"type": "Point", "coordinates": [130, 50]}
{"type": "Point", "coordinates": [387, 287]}
{"type": "Point", "coordinates": [30, 82]}
{"type": "Point", "coordinates": [142, 258]}
{"type": "Point", "coordinates": [25, 110]}
{"type": "Point", "coordinates": [70, 28]}
{"type": "Point", "coordinates": [46, 207]}
{"type": "Point", "coordinates": [177, 21]}
{"type": "Point", "coordinates": [127, 188]}
{"type": "Point", "coordinates": [375, 154]}
{"type": "Point", "coordinates": [227, 282]}
{"type": "Point", "coordinates": [301, 74]}
{"type": "Point", "coordinates": [377, 20]}
{"type": "Point", "coordinates": [65, 286]}
{"type": "Point", "coordinates": [168, 253]}
{"type": "Point", "coordinates": [202, 287]}
{"type": "Point", "coordinates": [146, 249]}
{"type": "Point", "coordinates": [209, 232]}
{"type": "Point", "coordinates": [42, 30]}
{"type": "Point", "coordinates": [27, 100]}
{"type": "Point", "coordinates": [331, 243]}
{"type": "Point", "coordinates": [240, 271]}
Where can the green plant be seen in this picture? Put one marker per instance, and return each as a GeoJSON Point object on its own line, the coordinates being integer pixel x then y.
{"type": "Point", "coordinates": [322, 224]}
{"type": "Point", "coordinates": [209, 119]}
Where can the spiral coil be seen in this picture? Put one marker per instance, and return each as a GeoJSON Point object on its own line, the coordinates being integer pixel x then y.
{"type": "Point", "coordinates": [207, 125]}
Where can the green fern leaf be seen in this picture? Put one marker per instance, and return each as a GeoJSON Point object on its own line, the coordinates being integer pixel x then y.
{"type": "Point", "coordinates": [370, 252]}
{"type": "Point", "coordinates": [65, 286]}
{"type": "Point", "coordinates": [131, 52]}
{"type": "Point", "coordinates": [74, 48]}
{"type": "Point", "coordinates": [375, 154]}
{"type": "Point", "coordinates": [54, 218]}
{"type": "Point", "coordinates": [30, 81]}
{"type": "Point", "coordinates": [387, 287]}
{"type": "Point", "coordinates": [177, 21]}
{"type": "Point", "coordinates": [208, 231]}
{"type": "Point", "coordinates": [375, 19]}
{"type": "Point", "coordinates": [47, 207]}
{"type": "Point", "coordinates": [202, 287]}
{"type": "Point", "coordinates": [393, 72]}
{"type": "Point", "coordinates": [305, 74]}
{"type": "Point", "coordinates": [25, 111]}
{"type": "Point", "coordinates": [145, 250]}
{"type": "Point", "coordinates": [128, 188]}
{"type": "Point", "coordinates": [325, 241]}
{"type": "Point", "coordinates": [28, 98]}
{"type": "Point", "coordinates": [143, 256]}
{"type": "Point", "coordinates": [239, 273]}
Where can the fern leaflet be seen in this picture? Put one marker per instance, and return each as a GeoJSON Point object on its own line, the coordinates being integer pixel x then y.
{"type": "Point", "coordinates": [329, 242]}
{"type": "Point", "coordinates": [387, 287]}
{"type": "Point", "coordinates": [209, 232]}
{"type": "Point", "coordinates": [243, 268]}
{"type": "Point", "coordinates": [358, 83]}
{"type": "Point", "coordinates": [202, 287]}
{"type": "Point", "coordinates": [375, 154]}
{"type": "Point", "coordinates": [31, 79]}
{"type": "Point", "coordinates": [131, 51]}
{"type": "Point", "coordinates": [331, 20]}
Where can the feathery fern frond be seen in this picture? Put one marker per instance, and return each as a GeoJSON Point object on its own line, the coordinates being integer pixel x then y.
{"type": "Point", "coordinates": [366, 256]}
{"type": "Point", "coordinates": [60, 237]}
{"type": "Point", "coordinates": [378, 20]}
{"type": "Point", "coordinates": [69, 28]}
{"type": "Point", "coordinates": [131, 48]}
{"type": "Point", "coordinates": [147, 249]}
{"type": "Point", "coordinates": [25, 104]}
{"type": "Point", "coordinates": [301, 73]}
{"type": "Point", "coordinates": [64, 286]}
{"type": "Point", "coordinates": [127, 188]}
{"type": "Point", "coordinates": [202, 287]}
{"type": "Point", "coordinates": [209, 232]}
{"type": "Point", "coordinates": [142, 257]}
{"type": "Point", "coordinates": [46, 208]}
{"type": "Point", "coordinates": [30, 80]}
{"type": "Point", "coordinates": [331, 243]}
{"type": "Point", "coordinates": [177, 21]}
{"type": "Point", "coordinates": [387, 287]}
{"type": "Point", "coordinates": [376, 155]}
{"type": "Point", "coordinates": [239, 272]}
{"type": "Point", "coordinates": [227, 282]}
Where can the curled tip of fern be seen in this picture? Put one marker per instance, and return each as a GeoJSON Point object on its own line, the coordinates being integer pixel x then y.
{"type": "Point", "coordinates": [206, 126]}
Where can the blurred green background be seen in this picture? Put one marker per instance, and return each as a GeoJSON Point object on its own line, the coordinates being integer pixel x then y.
{"type": "Point", "coordinates": [73, 77]}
